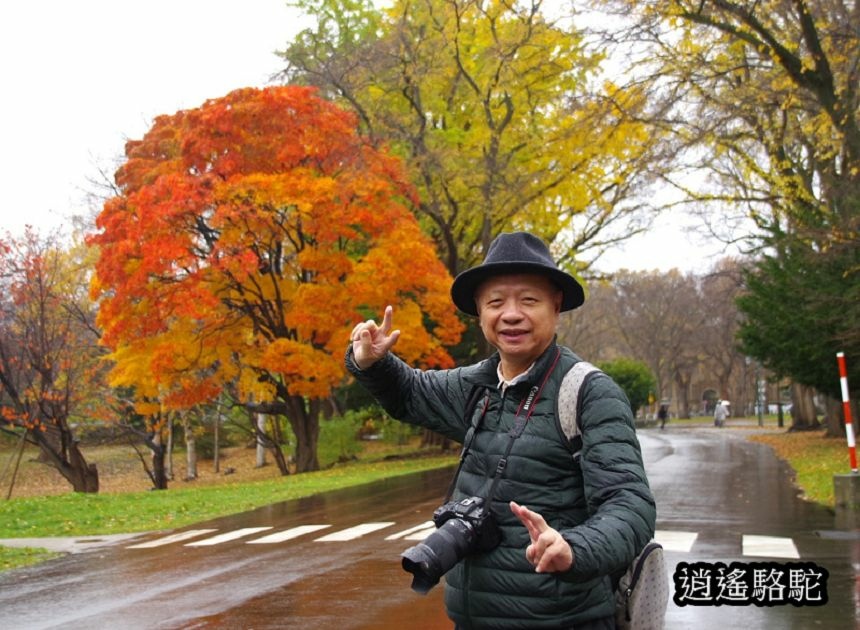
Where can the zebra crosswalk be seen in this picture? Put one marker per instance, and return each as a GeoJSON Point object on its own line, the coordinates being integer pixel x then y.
{"type": "Point", "coordinates": [751, 545]}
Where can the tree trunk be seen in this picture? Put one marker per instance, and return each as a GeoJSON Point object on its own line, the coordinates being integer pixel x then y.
{"type": "Point", "coordinates": [277, 430]}
{"type": "Point", "coordinates": [278, 454]}
{"type": "Point", "coordinates": [264, 441]}
{"type": "Point", "coordinates": [190, 449]}
{"type": "Point", "coordinates": [159, 471]}
{"type": "Point", "coordinates": [330, 408]}
{"type": "Point", "coordinates": [304, 420]}
{"type": "Point", "coordinates": [84, 477]}
{"type": "Point", "coordinates": [68, 460]}
{"type": "Point", "coordinates": [216, 447]}
{"type": "Point", "coordinates": [835, 420]}
{"type": "Point", "coordinates": [21, 444]}
{"type": "Point", "coordinates": [260, 433]}
{"type": "Point", "coordinates": [168, 466]}
{"type": "Point", "coordinates": [682, 385]}
{"type": "Point", "coordinates": [803, 415]}
{"type": "Point", "coordinates": [52, 438]}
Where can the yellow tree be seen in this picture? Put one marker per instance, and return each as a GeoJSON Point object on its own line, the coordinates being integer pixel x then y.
{"type": "Point", "coordinates": [250, 235]}
{"type": "Point", "coordinates": [766, 97]}
{"type": "Point", "coordinates": [496, 106]}
{"type": "Point", "coordinates": [767, 101]}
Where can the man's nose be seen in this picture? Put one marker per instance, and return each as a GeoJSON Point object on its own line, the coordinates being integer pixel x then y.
{"type": "Point", "coordinates": [512, 311]}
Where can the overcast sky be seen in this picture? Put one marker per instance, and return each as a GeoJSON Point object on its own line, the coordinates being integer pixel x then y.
{"type": "Point", "coordinates": [80, 78]}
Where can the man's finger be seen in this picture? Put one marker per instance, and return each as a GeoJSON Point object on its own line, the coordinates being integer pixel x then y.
{"type": "Point", "coordinates": [521, 513]}
{"type": "Point", "coordinates": [546, 551]}
{"type": "Point", "coordinates": [556, 557]}
{"type": "Point", "coordinates": [392, 339]}
{"type": "Point", "coordinates": [533, 521]}
{"type": "Point", "coordinates": [365, 340]}
{"type": "Point", "coordinates": [531, 554]}
{"type": "Point", "coordinates": [386, 319]}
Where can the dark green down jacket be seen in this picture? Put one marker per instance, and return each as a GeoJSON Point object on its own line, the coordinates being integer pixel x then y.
{"type": "Point", "coordinates": [600, 501]}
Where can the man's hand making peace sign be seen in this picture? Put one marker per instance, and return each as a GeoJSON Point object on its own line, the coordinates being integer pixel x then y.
{"type": "Point", "coordinates": [371, 342]}
{"type": "Point", "coordinates": [548, 551]}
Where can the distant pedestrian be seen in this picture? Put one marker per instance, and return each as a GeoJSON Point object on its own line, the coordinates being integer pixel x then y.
{"type": "Point", "coordinates": [663, 414]}
{"type": "Point", "coordinates": [721, 412]}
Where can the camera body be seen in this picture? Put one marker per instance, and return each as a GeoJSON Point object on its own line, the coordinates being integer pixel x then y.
{"type": "Point", "coordinates": [462, 528]}
{"type": "Point", "coordinates": [480, 519]}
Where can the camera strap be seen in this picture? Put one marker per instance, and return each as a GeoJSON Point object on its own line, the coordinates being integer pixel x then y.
{"type": "Point", "coordinates": [528, 404]}
{"type": "Point", "coordinates": [474, 423]}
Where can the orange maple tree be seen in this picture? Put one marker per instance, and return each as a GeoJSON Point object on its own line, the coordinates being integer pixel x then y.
{"type": "Point", "coordinates": [250, 236]}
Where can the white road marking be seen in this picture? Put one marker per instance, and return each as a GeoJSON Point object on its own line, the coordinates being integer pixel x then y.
{"type": "Point", "coordinates": [769, 546]}
{"type": "Point", "coordinates": [419, 532]}
{"type": "Point", "coordinates": [173, 538]}
{"type": "Point", "coordinates": [676, 541]}
{"type": "Point", "coordinates": [221, 538]}
{"type": "Point", "coordinates": [288, 534]}
{"type": "Point", "coordinates": [353, 532]}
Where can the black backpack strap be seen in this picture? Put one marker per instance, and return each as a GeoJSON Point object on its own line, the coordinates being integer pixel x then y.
{"type": "Point", "coordinates": [474, 422]}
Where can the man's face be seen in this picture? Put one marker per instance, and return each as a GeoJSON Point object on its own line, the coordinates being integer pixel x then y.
{"type": "Point", "coordinates": [518, 315]}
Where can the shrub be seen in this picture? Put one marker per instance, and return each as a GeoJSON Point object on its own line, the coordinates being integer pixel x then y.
{"type": "Point", "coordinates": [634, 378]}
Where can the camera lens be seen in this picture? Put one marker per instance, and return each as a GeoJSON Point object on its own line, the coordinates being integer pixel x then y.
{"type": "Point", "coordinates": [430, 560]}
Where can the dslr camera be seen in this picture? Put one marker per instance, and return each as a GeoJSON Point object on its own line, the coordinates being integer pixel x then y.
{"type": "Point", "coordinates": [462, 527]}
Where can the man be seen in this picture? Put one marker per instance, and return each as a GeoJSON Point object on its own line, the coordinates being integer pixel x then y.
{"type": "Point", "coordinates": [567, 523]}
{"type": "Point", "coordinates": [663, 414]}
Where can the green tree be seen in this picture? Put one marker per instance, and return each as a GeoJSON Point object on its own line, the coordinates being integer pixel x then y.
{"type": "Point", "coordinates": [765, 106]}
{"type": "Point", "coordinates": [634, 378]}
{"type": "Point", "coordinates": [794, 323]}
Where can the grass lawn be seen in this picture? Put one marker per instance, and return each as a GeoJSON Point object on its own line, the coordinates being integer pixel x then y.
{"type": "Point", "coordinates": [43, 505]}
{"type": "Point", "coordinates": [814, 458]}
{"type": "Point", "coordinates": [76, 514]}
{"type": "Point", "coordinates": [12, 557]}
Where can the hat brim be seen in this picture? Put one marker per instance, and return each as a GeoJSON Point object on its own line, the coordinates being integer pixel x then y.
{"type": "Point", "coordinates": [467, 283]}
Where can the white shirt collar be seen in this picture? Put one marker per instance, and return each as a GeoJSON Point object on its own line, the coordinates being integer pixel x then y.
{"type": "Point", "coordinates": [504, 384]}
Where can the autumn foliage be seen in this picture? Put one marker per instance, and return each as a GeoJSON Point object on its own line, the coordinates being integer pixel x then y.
{"type": "Point", "coordinates": [50, 370]}
{"type": "Point", "coordinates": [250, 236]}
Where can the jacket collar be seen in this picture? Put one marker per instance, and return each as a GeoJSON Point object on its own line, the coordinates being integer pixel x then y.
{"type": "Point", "coordinates": [485, 373]}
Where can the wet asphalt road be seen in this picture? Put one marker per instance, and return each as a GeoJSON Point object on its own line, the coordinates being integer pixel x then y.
{"type": "Point", "coordinates": [714, 491]}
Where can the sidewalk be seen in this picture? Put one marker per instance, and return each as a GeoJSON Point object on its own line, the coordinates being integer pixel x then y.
{"type": "Point", "coordinates": [746, 425]}
{"type": "Point", "coordinates": [72, 544]}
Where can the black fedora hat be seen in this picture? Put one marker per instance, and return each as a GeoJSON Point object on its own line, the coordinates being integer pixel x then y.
{"type": "Point", "coordinates": [510, 253]}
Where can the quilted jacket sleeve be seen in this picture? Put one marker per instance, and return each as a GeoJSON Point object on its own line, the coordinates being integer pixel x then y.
{"type": "Point", "coordinates": [621, 507]}
{"type": "Point", "coordinates": [434, 399]}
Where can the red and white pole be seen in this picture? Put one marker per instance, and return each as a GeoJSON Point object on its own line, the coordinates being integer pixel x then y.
{"type": "Point", "coordinates": [846, 407]}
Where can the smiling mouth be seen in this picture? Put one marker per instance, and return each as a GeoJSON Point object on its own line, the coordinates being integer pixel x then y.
{"type": "Point", "coordinates": [513, 334]}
